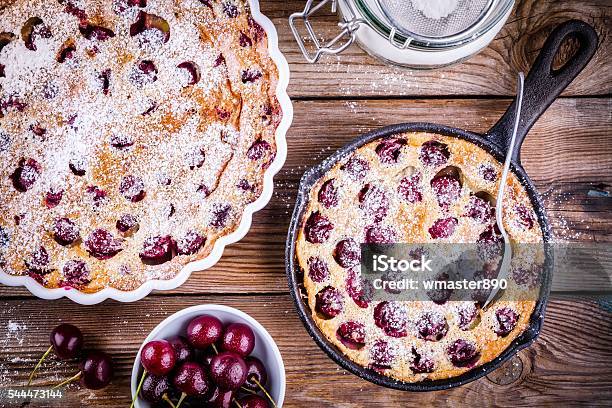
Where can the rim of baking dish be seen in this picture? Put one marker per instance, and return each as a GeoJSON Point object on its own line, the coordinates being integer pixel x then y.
{"type": "Point", "coordinates": [147, 287]}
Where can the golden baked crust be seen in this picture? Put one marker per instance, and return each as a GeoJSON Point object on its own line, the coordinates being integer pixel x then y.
{"type": "Point", "coordinates": [161, 111]}
{"type": "Point", "coordinates": [394, 172]}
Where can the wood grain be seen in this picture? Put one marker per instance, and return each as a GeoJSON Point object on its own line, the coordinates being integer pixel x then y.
{"type": "Point", "coordinates": [568, 153]}
{"type": "Point", "coordinates": [491, 72]}
{"type": "Point", "coordinates": [567, 365]}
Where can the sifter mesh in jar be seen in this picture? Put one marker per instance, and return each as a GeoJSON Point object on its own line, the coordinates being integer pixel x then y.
{"type": "Point", "coordinates": [435, 19]}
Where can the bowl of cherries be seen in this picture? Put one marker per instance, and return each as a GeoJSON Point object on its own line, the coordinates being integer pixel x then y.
{"type": "Point", "coordinates": [208, 356]}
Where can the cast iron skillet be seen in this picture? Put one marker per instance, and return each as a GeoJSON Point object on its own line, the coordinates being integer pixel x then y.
{"type": "Point", "coordinates": [542, 86]}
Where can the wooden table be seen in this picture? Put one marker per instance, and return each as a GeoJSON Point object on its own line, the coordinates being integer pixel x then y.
{"type": "Point", "coordinates": [567, 154]}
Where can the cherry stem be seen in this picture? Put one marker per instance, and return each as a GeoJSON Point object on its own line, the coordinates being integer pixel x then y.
{"type": "Point", "coordinates": [168, 400]}
{"type": "Point", "coordinates": [180, 401]}
{"type": "Point", "coordinates": [214, 348]}
{"type": "Point", "coordinates": [264, 390]}
{"type": "Point", "coordinates": [71, 379]}
{"type": "Point", "coordinates": [38, 365]}
{"type": "Point", "coordinates": [142, 377]}
{"type": "Point", "coordinates": [237, 403]}
{"type": "Point", "coordinates": [248, 390]}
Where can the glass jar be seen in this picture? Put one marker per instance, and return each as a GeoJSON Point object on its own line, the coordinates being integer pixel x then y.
{"type": "Point", "coordinates": [370, 24]}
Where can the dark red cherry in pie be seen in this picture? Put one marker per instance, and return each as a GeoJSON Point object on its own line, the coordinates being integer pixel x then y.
{"type": "Point", "coordinates": [95, 32]}
{"type": "Point", "coordinates": [392, 317]}
{"type": "Point", "coordinates": [318, 228]}
{"type": "Point", "coordinates": [67, 52]}
{"type": "Point", "coordinates": [506, 321]}
{"type": "Point", "coordinates": [220, 215]}
{"type": "Point", "coordinates": [487, 172]}
{"type": "Point", "coordinates": [443, 228]}
{"type": "Point", "coordinates": [250, 75]}
{"type": "Point", "coordinates": [421, 364]}
{"type": "Point", "coordinates": [466, 316]}
{"type": "Point", "coordinates": [75, 273]}
{"type": "Point", "coordinates": [389, 150]}
{"type": "Point", "coordinates": [121, 140]}
{"type": "Point", "coordinates": [434, 153]}
{"type": "Point", "coordinates": [244, 40]}
{"type": "Point", "coordinates": [204, 330]}
{"type": "Point", "coordinates": [38, 261]}
{"type": "Point", "coordinates": [431, 326]}
{"type": "Point", "coordinates": [157, 250]}
{"type": "Point", "coordinates": [382, 355]}
{"type": "Point", "coordinates": [26, 174]}
{"type": "Point", "coordinates": [374, 202]}
{"type": "Point", "coordinates": [440, 295]}
{"type": "Point", "coordinates": [256, 29]}
{"type": "Point", "coordinates": [352, 335]}
{"type": "Point", "coordinates": [479, 208]}
{"type": "Point", "coordinates": [98, 196]}
{"type": "Point", "coordinates": [158, 357]}
{"type": "Point", "coordinates": [328, 194]}
{"type": "Point", "coordinates": [238, 338]}
{"type": "Point", "coordinates": [77, 166]}
{"type": "Point", "coordinates": [463, 353]}
{"type": "Point", "coordinates": [318, 270]}
{"type": "Point", "coordinates": [347, 253]}
{"type": "Point", "coordinates": [65, 231]}
{"type": "Point", "coordinates": [127, 224]}
{"type": "Point", "coordinates": [447, 190]}
{"type": "Point", "coordinates": [356, 167]}
{"type": "Point", "coordinates": [190, 243]}
{"type": "Point", "coordinates": [102, 244]}
{"type": "Point", "coordinates": [360, 290]}
{"type": "Point", "coordinates": [258, 150]}
{"type": "Point", "coordinates": [53, 198]}
{"type": "Point", "coordinates": [329, 302]}
{"type": "Point", "coordinates": [410, 189]}
{"type": "Point", "coordinates": [525, 216]}
{"type": "Point", "coordinates": [380, 234]}
{"type": "Point", "coordinates": [132, 188]}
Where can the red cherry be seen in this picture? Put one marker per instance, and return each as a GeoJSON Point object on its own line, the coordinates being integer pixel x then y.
{"type": "Point", "coordinates": [258, 150]}
{"type": "Point", "coordinates": [328, 194]}
{"type": "Point", "coordinates": [318, 270]}
{"type": "Point", "coordinates": [238, 338]}
{"type": "Point", "coordinates": [192, 70]}
{"type": "Point", "coordinates": [431, 326]}
{"type": "Point", "coordinates": [352, 335]}
{"type": "Point", "coordinates": [374, 202]}
{"type": "Point", "coordinates": [95, 33]}
{"type": "Point", "coordinates": [318, 228]}
{"type": "Point", "coordinates": [443, 228]}
{"type": "Point", "coordinates": [65, 231]}
{"type": "Point", "coordinates": [462, 353]}
{"type": "Point", "coordinates": [256, 29]}
{"type": "Point", "coordinates": [146, 22]}
{"type": "Point", "coordinates": [143, 73]}
{"type": "Point", "coordinates": [244, 40]}
{"type": "Point", "coordinates": [26, 174]}
{"type": "Point", "coordinates": [204, 330]}
{"type": "Point", "coordinates": [356, 167]}
{"type": "Point", "coordinates": [154, 388]}
{"type": "Point", "coordinates": [220, 215]}
{"type": "Point", "coordinates": [487, 172]}
{"type": "Point", "coordinates": [250, 76]}
{"type": "Point", "coordinates": [410, 189]}
{"type": "Point", "coordinates": [157, 250]}
{"type": "Point", "coordinates": [389, 150]}
{"type": "Point", "coordinates": [182, 349]}
{"type": "Point", "coordinates": [256, 373]}
{"type": "Point", "coordinates": [506, 321]}
{"type": "Point", "coordinates": [446, 189]}
{"type": "Point", "coordinates": [191, 379]}
{"type": "Point", "coordinates": [347, 253]}
{"type": "Point", "coordinates": [53, 198]}
{"type": "Point", "coordinates": [221, 399]}
{"type": "Point", "coordinates": [382, 355]}
{"type": "Point", "coordinates": [440, 295]}
{"type": "Point", "coordinates": [480, 210]}
{"type": "Point", "coordinates": [38, 261]}
{"type": "Point", "coordinates": [98, 197]}
{"type": "Point", "coordinates": [254, 401]}
{"type": "Point", "coordinates": [525, 216]}
{"type": "Point", "coordinates": [102, 244]}
{"type": "Point", "coordinates": [329, 302]}
{"type": "Point", "coordinates": [33, 29]}
{"type": "Point", "coordinates": [66, 340]}
{"type": "Point", "coordinates": [228, 370]}
{"type": "Point", "coordinates": [127, 224]}
{"type": "Point", "coordinates": [158, 357]}
{"type": "Point", "coordinates": [190, 243]}
{"type": "Point", "coordinates": [392, 317]}
{"type": "Point", "coordinates": [434, 153]}
{"type": "Point", "coordinates": [421, 364]}
{"type": "Point", "coordinates": [466, 315]}
{"type": "Point", "coordinates": [75, 273]}
{"type": "Point", "coordinates": [132, 188]}
{"type": "Point", "coordinates": [378, 234]}
{"type": "Point", "coordinates": [96, 370]}
{"type": "Point", "coordinates": [121, 140]}
{"type": "Point", "coordinates": [360, 290]}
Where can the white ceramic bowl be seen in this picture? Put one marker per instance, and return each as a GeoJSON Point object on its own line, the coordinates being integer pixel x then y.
{"type": "Point", "coordinates": [265, 347]}
{"type": "Point", "coordinates": [281, 154]}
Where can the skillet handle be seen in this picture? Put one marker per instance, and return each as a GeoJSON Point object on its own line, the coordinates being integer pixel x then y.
{"type": "Point", "coordinates": [544, 84]}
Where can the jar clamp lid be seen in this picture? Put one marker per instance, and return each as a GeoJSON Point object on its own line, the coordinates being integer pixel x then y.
{"type": "Point", "coordinates": [412, 33]}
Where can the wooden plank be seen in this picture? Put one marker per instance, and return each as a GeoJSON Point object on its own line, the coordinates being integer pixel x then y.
{"type": "Point", "coordinates": [567, 154]}
{"type": "Point", "coordinates": [492, 72]}
{"type": "Point", "coordinates": [569, 364]}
